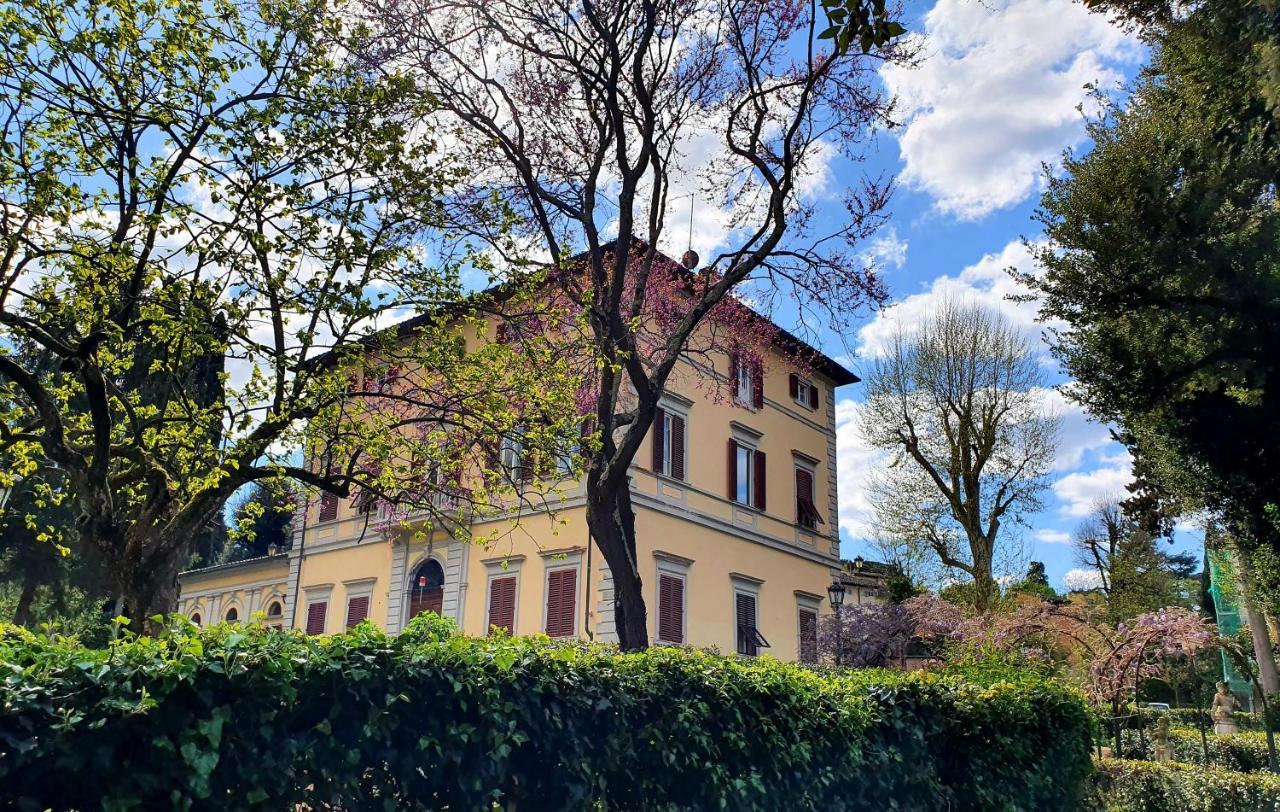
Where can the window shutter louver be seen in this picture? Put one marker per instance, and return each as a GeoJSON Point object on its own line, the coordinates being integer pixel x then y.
{"type": "Point", "coordinates": [808, 636]}
{"type": "Point", "coordinates": [562, 593]}
{"type": "Point", "coordinates": [760, 491]}
{"type": "Point", "coordinates": [793, 383]}
{"type": "Point", "coordinates": [733, 471]}
{"type": "Point", "coordinates": [677, 447]}
{"type": "Point", "coordinates": [658, 441]}
{"type": "Point", "coordinates": [813, 396]}
{"type": "Point", "coordinates": [804, 496]}
{"type": "Point", "coordinates": [502, 603]}
{"type": "Point", "coordinates": [315, 617]}
{"type": "Point", "coordinates": [757, 385]}
{"type": "Point", "coordinates": [733, 373]}
{"type": "Point", "coordinates": [357, 610]}
{"type": "Point", "coordinates": [671, 609]}
{"type": "Point", "coordinates": [746, 612]}
{"type": "Point", "coordinates": [328, 507]}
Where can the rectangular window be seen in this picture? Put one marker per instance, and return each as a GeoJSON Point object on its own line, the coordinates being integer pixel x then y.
{"type": "Point", "coordinates": [328, 507]}
{"type": "Point", "coordinates": [746, 475]}
{"type": "Point", "coordinates": [514, 460]}
{"type": "Point", "coordinates": [316, 612]}
{"type": "Point", "coordinates": [750, 641]}
{"type": "Point", "coordinates": [808, 619]}
{"type": "Point", "coordinates": [502, 603]}
{"type": "Point", "coordinates": [745, 386]}
{"type": "Point", "coordinates": [562, 602]}
{"type": "Point", "coordinates": [669, 444]}
{"type": "Point", "coordinates": [807, 514]}
{"type": "Point", "coordinates": [670, 609]}
{"type": "Point", "coordinates": [357, 610]}
{"type": "Point", "coordinates": [804, 392]}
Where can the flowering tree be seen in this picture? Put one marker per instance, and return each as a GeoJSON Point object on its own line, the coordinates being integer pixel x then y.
{"type": "Point", "coordinates": [867, 636]}
{"type": "Point", "coordinates": [580, 117]}
{"type": "Point", "coordinates": [197, 201]}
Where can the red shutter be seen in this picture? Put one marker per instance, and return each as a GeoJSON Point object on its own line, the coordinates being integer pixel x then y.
{"type": "Point", "coordinates": [733, 374]}
{"type": "Point", "coordinates": [315, 617]}
{"type": "Point", "coordinates": [813, 395]}
{"type": "Point", "coordinates": [502, 603]}
{"type": "Point", "coordinates": [760, 493]}
{"type": "Point", "coordinates": [671, 609]}
{"type": "Point", "coordinates": [328, 507]}
{"type": "Point", "coordinates": [658, 429]}
{"type": "Point", "coordinates": [733, 471]}
{"type": "Point", "coordinates": [757, 385]}
{"type": "Point", "coordinates": [746, 616]}
{"type": "Point", "coordinates": [502, 332]}
{"type": "Point", "coordinates": [357, 610]}
{"type": "Point", "coordinates": [562, 594]}
{"type": "Point", "coordinates": [808, 636]}
{"type": "Point", "coordinates": [793, 383]}
{"type": "Point", "coordinates": [677, 446]}
{"type": "Point", "coordinates": [804, 496]}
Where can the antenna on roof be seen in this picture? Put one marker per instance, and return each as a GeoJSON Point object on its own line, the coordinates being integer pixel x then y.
{"type": "Point", "coordinates": [690, 259]}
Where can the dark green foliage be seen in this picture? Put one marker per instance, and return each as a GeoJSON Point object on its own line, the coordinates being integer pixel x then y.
{"type": "Point", "coordinates": [245, 718]}
{"type": "Point", "coordinates": [1143, 786]}
{"type": "Point", "coordinates": [1242, 752]}
{"type": "Point", "coordinates": [1163, 262]}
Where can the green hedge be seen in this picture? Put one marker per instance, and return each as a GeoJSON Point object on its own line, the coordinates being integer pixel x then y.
{"type": "Point", "coordinates": [246, 718]}
{"type": "Point", "coordinates": [1242, 752]}
{"type": "Point", "coordinates": [1141, 786]}
{"type": "Point", "coordinates": [1191, 717]}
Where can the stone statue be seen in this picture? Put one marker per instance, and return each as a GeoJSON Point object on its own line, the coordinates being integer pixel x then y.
{"type": "Point", "coordinates": [1160, 747]}
{"type": "Point", "coordinates": [1224, 706]}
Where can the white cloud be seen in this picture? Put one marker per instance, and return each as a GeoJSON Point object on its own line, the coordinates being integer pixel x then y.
{"type": "Point", "coordinates": [855, 460]}
{"type": "Point", "coordinates": [986, 283]}
{"type": "Point", "coordinates": [887, 249]}
{"type": "Point", "coordinates": [1049, 536]}
{"type": "Point", "coordinates": [1080, 492]}
{"type": "Point", "coordinates": [1081, 580]}
{"type": "Point", "coordinates": [997, 95]}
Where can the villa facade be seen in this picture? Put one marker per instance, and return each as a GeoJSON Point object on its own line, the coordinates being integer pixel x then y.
{"type": "Point", "coordinates": [736, 524]}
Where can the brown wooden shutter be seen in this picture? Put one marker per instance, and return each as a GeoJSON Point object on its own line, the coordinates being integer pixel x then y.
{"type": "Point", "coordinates": [315, 616]}
{"type": "Point", "coordinates": [502, 603]}
{"type": "Point", "coordinates": [357, 610]}
{"type": "Point", "coordinates": [733, 471]}
{"type": "Point", "coordinates": [658, 429]}
{"type": "Point", "coordinates": [746, 617]}
{"type": "Point", "coordinates": [502, 332]}
{"type": "Point", "coordinates": [757, 385]}
{"type": "Point", "coordinates": [562, 594]}
{"type": "Point", "coordinates": [804, 496]}
{"type": "Point", "coordinates": [760, 491]}
{"type": "Point", "coordinates": [328, 507]}
{"type": "Point", "coordinates": [677, 446]}
{"type": "Point", "coordinates": [793, 384]}
{"type": "Point", "coordinates": [813, 395]}
{"type": "Point", "coordinates": [733, 373]}
{"type": "Point", "coordinates": [671, 609]}
{"type": "Point", "coordinates": [808, 636]}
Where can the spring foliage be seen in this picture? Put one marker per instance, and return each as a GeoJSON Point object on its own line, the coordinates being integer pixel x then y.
{"type": "Point", "coordinates": [247, 718]}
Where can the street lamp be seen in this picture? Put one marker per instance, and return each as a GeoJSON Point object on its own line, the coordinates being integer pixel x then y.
{"type": "Point", "coordinates": [835, 593]}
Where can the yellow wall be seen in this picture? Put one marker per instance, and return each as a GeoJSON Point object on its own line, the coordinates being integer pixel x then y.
{"type": "Point", "coordinates": [342, 573]}
{"type": "Point", "coordinates": [250, 587]}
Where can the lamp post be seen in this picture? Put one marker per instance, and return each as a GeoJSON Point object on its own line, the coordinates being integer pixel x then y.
{"type": "Point", "coordinates": [835, 593]}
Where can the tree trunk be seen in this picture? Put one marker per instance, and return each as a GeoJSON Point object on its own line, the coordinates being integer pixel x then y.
{"type": "Point", "coordinates": [1262, 653]}
{"type": "Point", "coordinates": [613, 528]}
{"type": "Point", "coordinates": [22, 615]}
{"type": "Point", "coordinates": [985, 589]}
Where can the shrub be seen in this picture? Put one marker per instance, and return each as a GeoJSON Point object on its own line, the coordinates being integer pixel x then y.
{"type": "Point", "coordinates": [1141, 786]}
{"type": "Point", "coordinates": [1191, 717]}
{"type": "Point", "coordinates": [248, 718]}
{"type": "Point", "coordinates": [1243, 752]}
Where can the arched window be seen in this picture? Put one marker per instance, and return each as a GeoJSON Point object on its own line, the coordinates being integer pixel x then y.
{"type": "Point", "coordinates": [232, 615]}
{"type": "Point", "coordinates": [426, 591]}
{"type": "Point", "coordinates": [275, 615]}
{"type": "Point", "coordinates": [196, 618]}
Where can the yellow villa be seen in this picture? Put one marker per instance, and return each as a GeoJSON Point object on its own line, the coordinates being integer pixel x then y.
{"type": "Point", "coordinates": [736, 525]}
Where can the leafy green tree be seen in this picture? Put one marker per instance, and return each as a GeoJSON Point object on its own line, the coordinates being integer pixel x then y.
{"type": "Point", "coordinates": [1163, 265]}
{"type": "Point", "coordinates": [186, 185]}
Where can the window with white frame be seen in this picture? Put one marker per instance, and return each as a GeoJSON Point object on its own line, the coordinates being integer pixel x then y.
{"type": "Point", "coordinates": [670, 436]}
{"type": "Point", "coordinates": [747, 468]}
{"type": "Point", "coordinates": [746, 613]}
{"type": "Point", "coordinates": [804, 391]}
{"type": "Point", "coordinates": [512, 458]}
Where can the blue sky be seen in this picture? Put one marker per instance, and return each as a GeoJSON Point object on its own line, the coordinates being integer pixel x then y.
{"type": "Point", "coordinates": [998, 94]}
